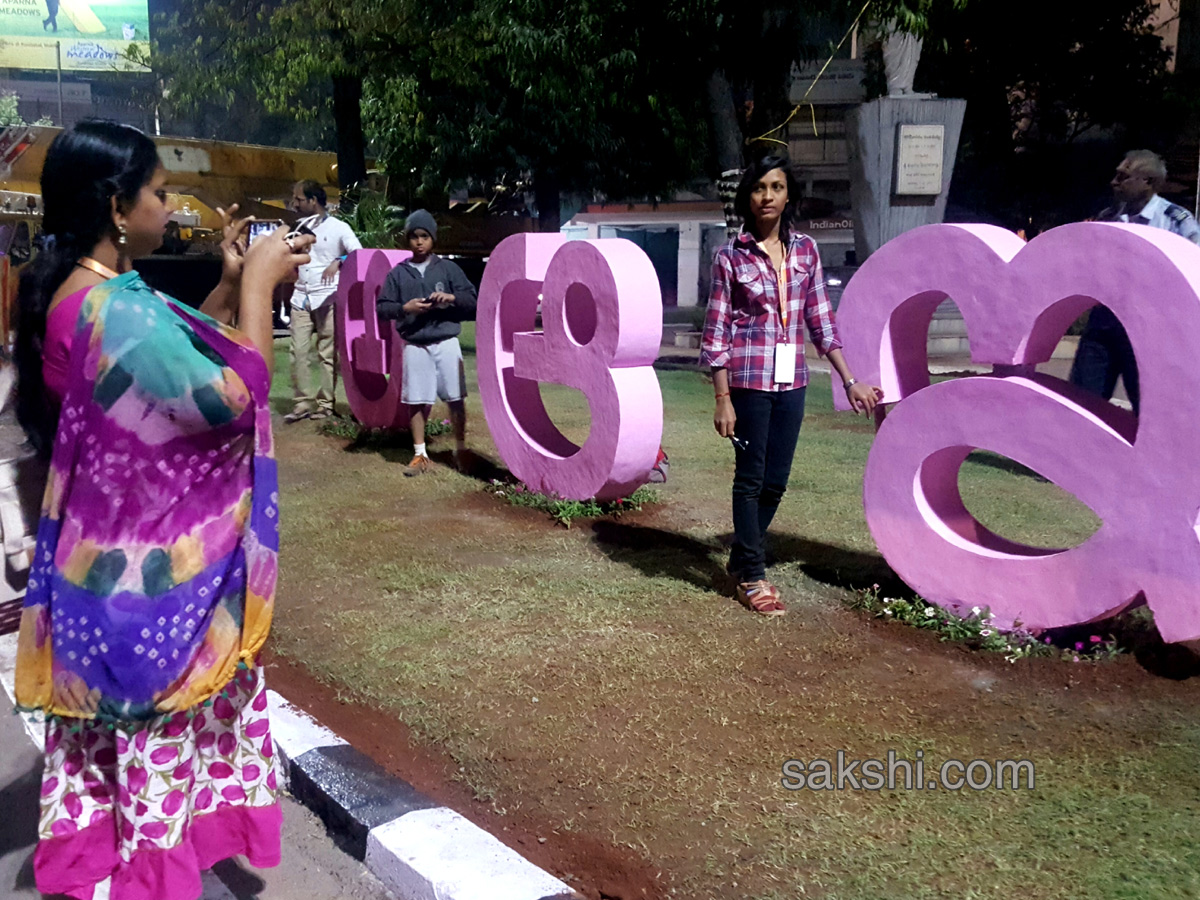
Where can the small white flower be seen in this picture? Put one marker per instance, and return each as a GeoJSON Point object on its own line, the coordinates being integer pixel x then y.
{"type": "Point", "coordinates": [887, 612]}
{"type": "Point", "coordinates": [975, 610]}
{"type": "Point", "coordinates": [987, 632]}
{"type": "Point", "coordinates": [929, 612]}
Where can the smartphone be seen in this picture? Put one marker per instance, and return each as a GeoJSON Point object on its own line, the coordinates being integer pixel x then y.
{"type": "Point", "coordinates": [258, 229]}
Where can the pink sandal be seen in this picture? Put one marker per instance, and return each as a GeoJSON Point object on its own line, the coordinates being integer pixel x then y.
{"type": "Point", "coordinates": [761, 597]}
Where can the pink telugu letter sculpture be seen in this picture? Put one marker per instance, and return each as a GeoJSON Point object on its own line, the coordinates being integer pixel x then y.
{"type": "Point", "coordinates": [1138, 475]}
{"type": "Point", "coordinates": [371, 354]}
{"type": "Point", "coordinates": [602, 320]}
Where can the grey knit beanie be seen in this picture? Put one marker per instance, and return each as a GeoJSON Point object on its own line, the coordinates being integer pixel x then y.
{"type": "Point", "coordinates": [420, 218]}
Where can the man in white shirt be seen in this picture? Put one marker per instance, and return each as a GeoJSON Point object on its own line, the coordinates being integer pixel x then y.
{"type": "Point", "coordinates": [1104, 350]}
{"type": "Point", "coordinates": [313, 304]}
{"type": "Point", "coordinates": [1135, 185]}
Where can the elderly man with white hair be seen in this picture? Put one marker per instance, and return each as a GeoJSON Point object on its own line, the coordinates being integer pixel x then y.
{"type": "Point", "coordinates": [1104, 349]}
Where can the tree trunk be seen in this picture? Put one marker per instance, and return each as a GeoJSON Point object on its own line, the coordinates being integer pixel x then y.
{"type": "Point", "coordinates": [549, 201]}
{"type": "Point", "coordinates": [727, 135]}
{"type": "Point", "coordinates": [347, 118]}
{"type": "Point", "coordinates": [727, 145]}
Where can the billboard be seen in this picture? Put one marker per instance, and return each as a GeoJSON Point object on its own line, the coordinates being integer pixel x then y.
{"type": "Point", "coordinates": [93, 35]}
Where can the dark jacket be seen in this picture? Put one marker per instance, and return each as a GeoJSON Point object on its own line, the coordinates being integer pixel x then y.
{"type": "Point", "coordinates": [405, 283]}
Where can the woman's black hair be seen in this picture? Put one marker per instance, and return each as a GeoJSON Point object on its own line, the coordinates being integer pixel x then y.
{"type": "Point", "coordinates": [751, 177]}
{"type": "Point", "coordinates": [86, 166]}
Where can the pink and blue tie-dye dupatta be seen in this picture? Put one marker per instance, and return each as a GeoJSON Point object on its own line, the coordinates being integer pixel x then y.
{"type": "Point", "coordinates": [156, 554]}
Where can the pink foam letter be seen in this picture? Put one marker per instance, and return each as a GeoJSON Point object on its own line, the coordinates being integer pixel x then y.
{"type": "Point", "coordinates": [371, 353]}
{"type": "Point", "coordinates": [602, 315]}
{"type": "Point", "coordinates": [1137, 475]}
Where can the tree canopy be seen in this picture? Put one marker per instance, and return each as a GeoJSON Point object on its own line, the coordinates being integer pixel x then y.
{"type": "Point", "coordinates": [609, 96]}
{"type": "Point", "coordinates": [1054, 91]}
{"type": "Point", "coordinates": [632, 99]}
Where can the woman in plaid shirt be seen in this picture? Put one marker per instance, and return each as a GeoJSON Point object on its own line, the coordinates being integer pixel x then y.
{"type": "Point", "coordinates": [765, 281]}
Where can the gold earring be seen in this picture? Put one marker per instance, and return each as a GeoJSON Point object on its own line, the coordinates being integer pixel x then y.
{"type": "Point", "coordinates": [121, 239]}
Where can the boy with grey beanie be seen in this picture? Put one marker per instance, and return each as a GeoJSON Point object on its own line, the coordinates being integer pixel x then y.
{"type": "Point", "coordinates": [428, 298]}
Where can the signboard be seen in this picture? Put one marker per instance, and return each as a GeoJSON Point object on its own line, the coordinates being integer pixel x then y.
{"type": "Point", "coordinates": [919, 154]}
{"type": "Point", "coordinates": [92, 36]}
{"type": "Point", "coordinates": [841, 82]}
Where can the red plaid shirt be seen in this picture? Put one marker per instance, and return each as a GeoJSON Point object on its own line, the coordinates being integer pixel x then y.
{"type": "Point", "coordinates": [743, 324]}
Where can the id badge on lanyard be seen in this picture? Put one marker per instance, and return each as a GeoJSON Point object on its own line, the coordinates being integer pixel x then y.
{"type": "Point", "coordinates": [785, 351]}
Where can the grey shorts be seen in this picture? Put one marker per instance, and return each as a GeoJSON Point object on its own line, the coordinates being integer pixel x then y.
{"type": "Point", "coordinates": [433, 372]}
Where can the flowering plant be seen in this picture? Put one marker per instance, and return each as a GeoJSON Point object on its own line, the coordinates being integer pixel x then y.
{"type": "Point", "coordinates": [980, 629]}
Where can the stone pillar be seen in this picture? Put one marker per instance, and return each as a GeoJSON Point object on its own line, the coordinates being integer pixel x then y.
{"type": "Point", "coordinates": [872, 135]}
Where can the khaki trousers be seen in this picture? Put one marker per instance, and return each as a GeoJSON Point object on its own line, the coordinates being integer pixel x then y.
{"type": "Point", "coordinates": [313, 328]}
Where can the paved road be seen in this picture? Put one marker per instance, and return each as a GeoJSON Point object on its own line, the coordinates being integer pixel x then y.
{"type": "Point", "coordinates": [313, 867]}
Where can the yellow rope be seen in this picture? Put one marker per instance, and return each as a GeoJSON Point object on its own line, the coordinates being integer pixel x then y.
{"type": "Point", "coordinates": [766, 135]}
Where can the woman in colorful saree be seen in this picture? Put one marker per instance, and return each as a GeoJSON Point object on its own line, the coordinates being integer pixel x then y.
{"type": "Point", "coordinates": [154, 578]}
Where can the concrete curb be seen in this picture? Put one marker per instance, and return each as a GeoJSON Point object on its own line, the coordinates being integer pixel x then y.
{"type": "Point", "coordinates": [417, 848]}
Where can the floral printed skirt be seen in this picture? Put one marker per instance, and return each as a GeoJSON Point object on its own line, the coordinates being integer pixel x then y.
{"type": "Point", "coordinates": [148, 806]}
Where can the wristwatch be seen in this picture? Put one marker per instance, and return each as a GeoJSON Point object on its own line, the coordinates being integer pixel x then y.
{"type": "Point", "coordinates": [849, 384]}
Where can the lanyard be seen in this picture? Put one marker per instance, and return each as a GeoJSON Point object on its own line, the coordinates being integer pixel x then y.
{"type": "Point", "coordinates": [314, 222]}
{"type": "Point", "coordinates": [781, 282]}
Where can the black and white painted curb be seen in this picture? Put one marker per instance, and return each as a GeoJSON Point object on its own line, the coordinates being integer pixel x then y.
{"type": "Point", "coordinates": [417, 848]}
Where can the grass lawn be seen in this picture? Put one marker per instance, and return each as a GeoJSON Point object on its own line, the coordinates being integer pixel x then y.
{"type": "Point", "coordinates": [596, 674]}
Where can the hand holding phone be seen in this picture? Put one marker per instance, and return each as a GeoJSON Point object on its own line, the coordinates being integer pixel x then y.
{"type": "Point", "coordinates": [265, 226]}
{"type": "Point", "coordinates": [418, 305]}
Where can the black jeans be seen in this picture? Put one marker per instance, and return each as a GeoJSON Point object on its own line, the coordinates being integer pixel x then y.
{"type": "Point", "coordinates": [769, 424]}
{"type": "Point", "coordinates": [1104, 353]}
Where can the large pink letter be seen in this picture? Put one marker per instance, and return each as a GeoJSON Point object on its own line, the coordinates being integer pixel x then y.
{"type": "Point", "coordinates": [1137, 475]}
{"type": "Point", "coordinates": [602, 315]}
{"type": "Point", "coordinates": [372, 356]}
